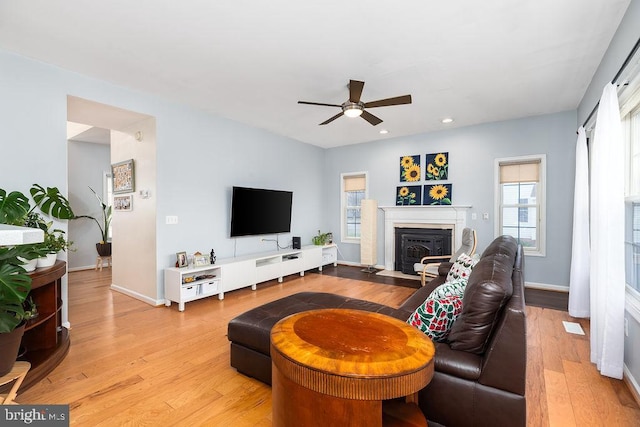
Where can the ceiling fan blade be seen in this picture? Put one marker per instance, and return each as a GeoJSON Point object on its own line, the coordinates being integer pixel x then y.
{"type": "Point", "coordinates": [371, 118]}
{"type": "Point", "coordinates": [355, 90]}
{"type": "Point", "coordinates": [398, 100]}
{"type": "Point", "coordinates": [331, 119]}
{"type": "Point", "coordinates": [319, 103]}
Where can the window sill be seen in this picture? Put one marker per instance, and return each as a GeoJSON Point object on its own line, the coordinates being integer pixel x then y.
{"type": "Point", "coordinates": [355, 240]}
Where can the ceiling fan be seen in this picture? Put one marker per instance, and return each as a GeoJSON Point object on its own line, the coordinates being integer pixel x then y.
{"type": "Point", "coordinates": [354, 107]}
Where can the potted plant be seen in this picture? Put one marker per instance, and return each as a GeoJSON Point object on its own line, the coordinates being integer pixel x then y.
{"type": "Point", "coordinates": [15, 284]}
{"type": "Point", "coordinates": [104, 246]}
{"type": "Point", "coordinates": [321, 239]}
{"type": "Point", "coordinates": [53, 243]}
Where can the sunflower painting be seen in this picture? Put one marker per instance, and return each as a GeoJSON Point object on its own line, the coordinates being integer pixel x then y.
{"type": "Point", "coordinates": [408, 195]}
{"type": "Point", "coordinates": [410, 168]}
{"type": "Point", "coordinates": [437, 167]}
{"type": "Point", "coordinates": [439, 194]}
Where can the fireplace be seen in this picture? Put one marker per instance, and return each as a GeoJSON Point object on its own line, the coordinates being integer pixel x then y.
{"type": "Point", "coordinates": [414, 243]}
{"type": "Point", "coordinates": [452, 217]}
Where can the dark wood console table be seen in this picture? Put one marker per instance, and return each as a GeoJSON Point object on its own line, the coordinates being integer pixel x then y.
{"type": "Point", "coordinates": [335, 366]}
{"type": "Point", "coordinates": [45, 341]}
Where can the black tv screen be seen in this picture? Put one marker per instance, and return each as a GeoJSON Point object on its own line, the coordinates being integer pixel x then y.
{"type": "Point", "coordinates": [257, 211]}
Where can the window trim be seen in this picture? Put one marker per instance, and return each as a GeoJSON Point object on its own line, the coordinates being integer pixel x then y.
{"type": "Point", "coordinates": [343, 207]}
{"type": "Point", "coordinates": [542, 203]}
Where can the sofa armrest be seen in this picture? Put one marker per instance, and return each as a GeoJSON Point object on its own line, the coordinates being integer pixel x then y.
{"type": "Point", "coordinates": [457, 363]}
{"type": "Point", "coordinates": [507, 353]}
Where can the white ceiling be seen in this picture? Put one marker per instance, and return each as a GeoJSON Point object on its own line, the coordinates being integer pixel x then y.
{"type": "Point", "coordinates": [251, 61]}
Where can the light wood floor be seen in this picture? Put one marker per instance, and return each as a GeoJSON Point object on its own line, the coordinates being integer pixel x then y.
{"type": "Point", "coordinates": [133, 364]}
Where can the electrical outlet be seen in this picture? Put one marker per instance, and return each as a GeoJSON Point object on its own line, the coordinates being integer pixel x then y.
{"type": "Point", "coordinates": [171, 219]}
{"type": "Point", "coordinates": [485, 215]}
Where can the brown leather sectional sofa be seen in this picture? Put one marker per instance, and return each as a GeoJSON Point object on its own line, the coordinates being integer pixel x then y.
{"type": "Point", "coordinates": [480, 372]}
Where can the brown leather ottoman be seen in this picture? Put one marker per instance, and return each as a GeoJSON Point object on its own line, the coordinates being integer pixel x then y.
{"type": "Point", "coordinates": [250, 332]}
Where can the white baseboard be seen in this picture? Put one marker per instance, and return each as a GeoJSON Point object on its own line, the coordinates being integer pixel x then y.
{"type": "Point", "coordinates": [546, 287]}
{"type": "Point", "coordinates": [357, 264]}
{"type": "Point", "coordinates": [137, 295]}
{"type": "Point", "coordinates": [85, 267]}
{"type": "Point", "coordinates": [632, 383]}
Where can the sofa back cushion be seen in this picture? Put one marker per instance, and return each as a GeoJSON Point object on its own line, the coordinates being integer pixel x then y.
{"type": "Point", "coordinates": [488, 289]}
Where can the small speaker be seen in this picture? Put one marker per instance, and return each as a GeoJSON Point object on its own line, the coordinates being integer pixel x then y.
{"type": "Point", "coordinates": [296, 242]}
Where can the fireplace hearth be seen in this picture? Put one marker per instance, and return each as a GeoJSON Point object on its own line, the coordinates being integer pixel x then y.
{"type": "Point", "coordinates": [411, 244]}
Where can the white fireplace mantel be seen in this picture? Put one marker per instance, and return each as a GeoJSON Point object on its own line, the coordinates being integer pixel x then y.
{"type": "Point", "coordinates": [452, 217]}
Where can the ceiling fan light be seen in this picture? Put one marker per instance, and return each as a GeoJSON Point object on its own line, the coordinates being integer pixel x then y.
{"type": "Point", "coordinates": [352, 110]}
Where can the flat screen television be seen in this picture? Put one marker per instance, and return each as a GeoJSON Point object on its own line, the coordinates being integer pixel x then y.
{"type": "Point", "coordinates": [256, 211]}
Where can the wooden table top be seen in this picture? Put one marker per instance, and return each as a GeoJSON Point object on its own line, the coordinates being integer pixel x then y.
{"type": "Point", "coordinates": [352, 354]}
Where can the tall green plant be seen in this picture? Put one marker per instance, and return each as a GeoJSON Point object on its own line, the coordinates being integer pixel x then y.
{"type": "Point", "coordinates": [105, 222]}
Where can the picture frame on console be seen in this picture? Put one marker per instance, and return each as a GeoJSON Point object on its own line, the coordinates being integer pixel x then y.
{"type": "Point", "coordinates": [181, 259]}
{"type": "Point", "coordinates": [200, 260]}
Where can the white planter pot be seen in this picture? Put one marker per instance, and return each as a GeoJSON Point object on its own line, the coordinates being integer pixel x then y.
{"type": "Point", "coordinates": [47, 261]}
{"type": "Point", "coordinates": [29, 264]}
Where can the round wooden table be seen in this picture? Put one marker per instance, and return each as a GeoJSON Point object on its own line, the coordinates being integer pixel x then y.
{"type": "Point", "coordinates": [335, 366]}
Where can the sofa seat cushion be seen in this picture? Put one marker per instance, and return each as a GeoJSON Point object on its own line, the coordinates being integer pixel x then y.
{"type": "Point", "coordinates": [252, 329]}
{"type": "Point", "coordinates": [460, 364]}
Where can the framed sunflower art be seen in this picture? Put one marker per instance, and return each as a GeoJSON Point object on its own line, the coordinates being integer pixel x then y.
{"type": "Point", "coordinates": [410, 168]}
{"type": "Point", "coordinates": [438, 194]}
{"type": "Point", "coordinates": [437, 167]}
{"type": "Point", "coordinates": [408, 195]}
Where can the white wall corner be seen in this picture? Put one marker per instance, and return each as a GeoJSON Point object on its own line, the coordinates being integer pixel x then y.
{"type": "Point", "coordinates": [136, 295]}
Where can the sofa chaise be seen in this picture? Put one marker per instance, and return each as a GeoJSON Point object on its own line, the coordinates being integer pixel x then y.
{"type": "Point", "coordinates": [480, 370]}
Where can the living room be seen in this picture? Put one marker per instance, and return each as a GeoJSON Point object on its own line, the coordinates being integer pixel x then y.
{"type": "Point", "coordinates": [200, 155]}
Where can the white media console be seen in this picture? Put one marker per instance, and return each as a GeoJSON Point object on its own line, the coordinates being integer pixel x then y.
{"type": "Point", "coordinates": [182, 285]}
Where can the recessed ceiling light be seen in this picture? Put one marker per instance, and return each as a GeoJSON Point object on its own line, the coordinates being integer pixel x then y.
{"type": "Point", "coordinates": [384, 131]}
{"type": "Point", "coordinates": [447, 120]}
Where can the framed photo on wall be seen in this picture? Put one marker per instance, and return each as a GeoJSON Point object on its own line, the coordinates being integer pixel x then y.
{"type": "Point", "coordinates": [123, 203]}
{"type": "Point", "coordinates": [123, 177]}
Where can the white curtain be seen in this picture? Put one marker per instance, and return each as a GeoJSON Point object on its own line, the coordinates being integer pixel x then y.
{"type": "Point", "coordinates": [607, 238]}
{"type": "Point", "coordinates": [579, 278]}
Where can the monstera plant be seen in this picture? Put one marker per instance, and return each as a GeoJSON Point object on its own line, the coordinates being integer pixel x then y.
{"type": "Point", "coordinates": [15, 284]}
{"type": "Point", "coordinates": [15, 209]}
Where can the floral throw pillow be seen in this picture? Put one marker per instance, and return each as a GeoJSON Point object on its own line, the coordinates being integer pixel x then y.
{"type": "Point", "coordinates": [435, 316]}
{"type": "Point", "coordinates": [455, 288]}
{"type": "Point", "coordinates": [461, 268]}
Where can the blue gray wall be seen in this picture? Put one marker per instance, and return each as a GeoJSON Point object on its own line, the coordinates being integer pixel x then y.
{"type": "Point", "coordinates": [472, 151]}
{"type": "Point", "coordinates": [199, 158]}
{"type": "Point", "coordinates": [87, 164]}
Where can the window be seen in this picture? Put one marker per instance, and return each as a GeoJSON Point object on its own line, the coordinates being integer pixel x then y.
{"type": "Point", "coordinates": [520, 201]}
{"type": "Point", "coordinates": [354, 189]}
{"type": "Point", "coordinates": [631, 123]}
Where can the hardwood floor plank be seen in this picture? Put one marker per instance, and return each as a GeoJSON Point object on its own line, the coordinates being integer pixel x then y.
{"type": "Point", "coordinates": [580, 394]}
{"type": "Point", "coordinates": [559, 407]}
{"type": "Point", "coordinates": [134, 364]}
